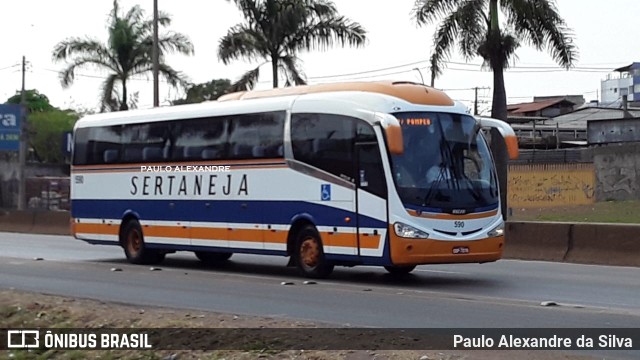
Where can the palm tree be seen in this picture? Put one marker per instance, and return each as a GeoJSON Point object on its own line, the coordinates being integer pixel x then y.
{"type": "Point", "coordinates": [277, 30]}
{"type": "Point", "coordinates": [474, 26]}
{"type": "Point", "coordinates": [126, 54]}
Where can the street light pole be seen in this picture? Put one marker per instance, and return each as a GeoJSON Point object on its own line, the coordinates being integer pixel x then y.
{"type": "Point", "coordinates": [155, 54]}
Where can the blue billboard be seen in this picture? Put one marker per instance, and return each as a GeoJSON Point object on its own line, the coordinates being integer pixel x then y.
{"type": "Point", "coordinates": [10, 127]}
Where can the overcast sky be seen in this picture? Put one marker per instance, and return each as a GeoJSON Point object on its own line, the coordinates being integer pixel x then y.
{"type": "Point", "coordinates": [606, 35]}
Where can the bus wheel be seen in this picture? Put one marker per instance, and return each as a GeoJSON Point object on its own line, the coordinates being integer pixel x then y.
{"type": "Point", "coordinates": [132, 241]}
{"type": "Point", "coordinates": [400, 270]}
{"type": "Point", "coordinates": [212, 258]}
{"type": "Point", "coordinates": [309, 254]}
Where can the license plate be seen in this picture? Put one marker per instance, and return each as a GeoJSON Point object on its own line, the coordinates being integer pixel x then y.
{"type": "Point", "coordinates": [460, 250]}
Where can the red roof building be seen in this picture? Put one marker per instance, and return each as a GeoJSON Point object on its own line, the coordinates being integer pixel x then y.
{"type": "Point", "coordinates": [545, 108]}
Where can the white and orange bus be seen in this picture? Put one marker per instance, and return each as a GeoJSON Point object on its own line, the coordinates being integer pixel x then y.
{"type": "Point", "coordinates": [393, 174]}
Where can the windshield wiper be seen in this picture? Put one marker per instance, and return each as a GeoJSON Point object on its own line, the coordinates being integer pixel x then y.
{"type": "Point", "coordinates": [475, 192]}
{"type": "Point", "coordinates": [435, 184]}
{"type": "Point", "coordinates": [447, 158]}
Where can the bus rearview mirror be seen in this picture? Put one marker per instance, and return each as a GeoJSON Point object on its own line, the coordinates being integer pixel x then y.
{"type": "Point", "coordinates": [506, 134]}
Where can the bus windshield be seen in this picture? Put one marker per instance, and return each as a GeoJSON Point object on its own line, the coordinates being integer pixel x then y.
{"type": "Point", "coordinates": [446, 165]}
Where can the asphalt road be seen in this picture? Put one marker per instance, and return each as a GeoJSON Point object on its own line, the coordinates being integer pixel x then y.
{"type": "Point", "coordinates": [505, 294]}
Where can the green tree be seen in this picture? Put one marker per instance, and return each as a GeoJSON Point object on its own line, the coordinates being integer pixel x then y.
{"type": "Point", "coordinates": [126, 54]}
{"type": "Point", "coordinates": [34, 100]}
{"type": "Point", "coordinates": [211, 90]}
{"type": "Point", "coordinates": [277, 30]}
{"type": "Point", "coordinates": [46, 129]}
{"type": "Point", "coordinates": [475, 27]}
{"type": "Point", "coordinates": [46, 125]}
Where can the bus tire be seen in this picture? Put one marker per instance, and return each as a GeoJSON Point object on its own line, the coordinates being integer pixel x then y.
{"type": "Point", "coordinates": [132, 241]}
{"type": "Point", "coordinates": [213, 258]}
{"type": "Point", "coordinates": [400, 270]}
{"type": "Point", "coordinates": [309, 254]}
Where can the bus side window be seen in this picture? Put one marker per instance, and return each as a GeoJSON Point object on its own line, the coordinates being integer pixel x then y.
{"type": "Point", "coordinates": [200, 139]}
{"type": "Point", "coordinates": [81, 146]}
{"type": "Point", "coordinates": [98, 141]}
{"type": "Point", "coordinates": [365, 132]}
{"type": "Point", "coordinates": [371, 176]}
{"type": "Point", "coordinates": [256, 136]}
{"type": "Point", "coordinates": [145, 142]}
{"type": "Point", "coordinates": [324, 141]}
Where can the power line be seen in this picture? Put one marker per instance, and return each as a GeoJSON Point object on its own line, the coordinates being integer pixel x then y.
{"type": "Point", "coordinates": [9, 67]}
{"type": "Point", "coordinates": [515, 69]}
{"type": "Point", "coordinates": [541, 69]}
{"type": "Point", "coordinates": [531, 66]}
{"type": "Point", "coordinates": [103, 77]}
{"type": "Point", "coordinates": [549, 70]}
{"type": "Point", "coordinates": [367, 71]}
{"type": "Point", "coordinates": [460, 89]}
{"type": "Point", "coordinates": [377, 75]}
{"type": "Point", "coordinates": [583, 64]}
{"type": "Point", "coordinates": [372, 72]}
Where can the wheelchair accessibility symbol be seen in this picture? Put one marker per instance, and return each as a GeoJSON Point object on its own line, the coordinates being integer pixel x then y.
{"type": "Point", "coordinates": [325, 192]}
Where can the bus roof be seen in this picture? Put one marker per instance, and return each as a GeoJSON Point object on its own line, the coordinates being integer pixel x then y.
{"type": "Point", "coordinates": [414, 93]}
{"type": "Point", "coordinates": [371, 95]}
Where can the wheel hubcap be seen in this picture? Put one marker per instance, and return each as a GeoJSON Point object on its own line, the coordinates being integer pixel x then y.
{"type": "Point", "coordinates": [310, 252]}
{"type": "Point", "coordinates": [134, 242]}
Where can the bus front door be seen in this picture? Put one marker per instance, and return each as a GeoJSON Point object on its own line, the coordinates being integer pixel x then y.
{"type": "Point", "coordinates": [371, 199]}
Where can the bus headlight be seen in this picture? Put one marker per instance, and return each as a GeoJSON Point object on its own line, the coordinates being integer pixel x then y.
{"type": "Point", "coordinates": [496, 231]}
{"type": "Point", "coordinates": [407, 231]}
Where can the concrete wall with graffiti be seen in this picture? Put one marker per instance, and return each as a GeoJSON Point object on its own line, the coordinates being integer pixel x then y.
{"type": "Point", "coordinates": [548, 185]}
{"type": "Point", "coordinates": [617, 169]}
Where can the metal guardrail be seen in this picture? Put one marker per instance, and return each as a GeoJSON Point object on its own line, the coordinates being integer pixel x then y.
{"type": "Point", "coordinates": [537, 156]}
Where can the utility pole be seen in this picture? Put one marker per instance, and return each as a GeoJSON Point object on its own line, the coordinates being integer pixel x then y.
{"type": "Point", "coordinates": [156, 56]}
{"type": "Point", "coordinates": [22, 153]}
{"type": "Point", "coordinates": [475, 102]}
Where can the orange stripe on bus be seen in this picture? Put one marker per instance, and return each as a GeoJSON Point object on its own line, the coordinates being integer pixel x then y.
{"type": "Point", "coordinates": [203, 233]}
{"type": "Point", "coordinates": [271, 236]}
{"type": "Point", "coordinates": [369, 241]}
{"type": "Point", "coordinates": [249, 235]}
{"type": "Point", "coordinates": [338, 239]}
{"type": "Point", "coordinates": [350, 240]}
{"type": "Point", "coordinates": [165, 231]}
{"type": "Point", "coordinates": [104, 229]}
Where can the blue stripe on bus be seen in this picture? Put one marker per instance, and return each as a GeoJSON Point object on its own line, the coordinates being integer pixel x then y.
{"type": "Point", "coordinates": [233, 211]}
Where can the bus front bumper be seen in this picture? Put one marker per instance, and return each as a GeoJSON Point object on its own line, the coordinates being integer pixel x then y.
{"type": "Point", "coordinates": [406, 251]}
